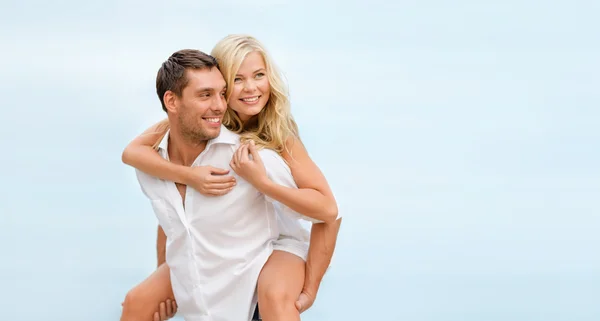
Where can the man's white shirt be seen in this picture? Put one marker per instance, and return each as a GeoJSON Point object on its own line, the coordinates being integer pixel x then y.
{"type": "Point", "coordinates": [217, 245]}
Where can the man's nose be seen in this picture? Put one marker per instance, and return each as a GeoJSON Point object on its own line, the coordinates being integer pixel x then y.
{"type": "Point", "coordinates": [219, 104]}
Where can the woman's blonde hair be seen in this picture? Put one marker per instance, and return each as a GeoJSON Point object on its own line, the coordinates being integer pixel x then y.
{"type": "Point", "coordinates": [274, 125]}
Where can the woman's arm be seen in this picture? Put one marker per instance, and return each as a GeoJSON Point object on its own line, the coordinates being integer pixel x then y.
{"type": "Point", "coordinates": [313, 197]}
{"type": "Point", "coordinates": [142, 154]}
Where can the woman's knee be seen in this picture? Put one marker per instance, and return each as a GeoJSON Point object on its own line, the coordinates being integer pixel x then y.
{"type": "Point", "coordinates": [281, 279]}
{"type": "Point", "coordinates": [143, 300]}
{"type": "Point", "coordinates": [277, 301]}
{"type": "Point", "coordinates": [136, 305]}
{"type": "Point", "coordinates": [277, 293]}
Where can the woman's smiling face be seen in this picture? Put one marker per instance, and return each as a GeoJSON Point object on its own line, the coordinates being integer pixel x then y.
{"type": "Point", "coordinates": [251, 88]}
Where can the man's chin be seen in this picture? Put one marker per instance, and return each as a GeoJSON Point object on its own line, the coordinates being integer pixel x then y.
{"type": "Point", "coordinates": [214, 132]}
{"type": "Point", "coordinates": [201, 135]}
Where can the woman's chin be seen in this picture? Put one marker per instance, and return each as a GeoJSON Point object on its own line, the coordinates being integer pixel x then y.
{"type": "Point", "coordinates": [248, 112]}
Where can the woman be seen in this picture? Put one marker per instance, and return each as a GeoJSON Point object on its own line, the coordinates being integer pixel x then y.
{"type": "Point", "coordinates": [259, 110]}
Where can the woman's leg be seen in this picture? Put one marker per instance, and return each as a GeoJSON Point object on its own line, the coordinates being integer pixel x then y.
{"type": "Point", "coordinates": [279, 285]}
{"type": "Point", "coordinates": [143, 301]}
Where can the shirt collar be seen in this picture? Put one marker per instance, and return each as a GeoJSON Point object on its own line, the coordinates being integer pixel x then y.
{"type": "Point", "coordinates": [225, 137]}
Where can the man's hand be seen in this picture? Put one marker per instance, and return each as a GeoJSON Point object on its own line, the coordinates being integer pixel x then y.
{"type": "Point", "coordinates": [305, 301]}
{"type": "Point", "coordinates": [166, 310]}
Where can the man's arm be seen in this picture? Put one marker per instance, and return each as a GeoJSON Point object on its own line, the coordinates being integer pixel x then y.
{"type": "Point", "coordinates": [322, 245]}
{"type": "Point", "coordinates": [161, 246]}
{"type": "Point", "coordinates": [306, 175]}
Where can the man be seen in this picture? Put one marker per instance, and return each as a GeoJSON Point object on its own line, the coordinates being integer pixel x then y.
{"type": "Point", "coordinates": [216, 245]}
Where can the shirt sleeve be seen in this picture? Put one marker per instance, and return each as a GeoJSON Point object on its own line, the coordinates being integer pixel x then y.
{"type": "Point", "coordinates": [143, 181]}
{"type": "Point", "coordinates": [279, 172]}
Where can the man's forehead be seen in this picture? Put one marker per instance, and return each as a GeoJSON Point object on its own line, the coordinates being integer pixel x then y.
{"type": "Point", "coordinates": [210, 78]}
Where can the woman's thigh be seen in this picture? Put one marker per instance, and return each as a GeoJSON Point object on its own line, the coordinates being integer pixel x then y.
{"type": "Point", "coordinates": [282, 278]}
{"type": "Point", "coordinates": [143, 300]}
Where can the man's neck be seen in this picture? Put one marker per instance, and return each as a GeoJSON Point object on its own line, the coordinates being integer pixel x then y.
{"type": "Point", "coordinates": [181, 151]}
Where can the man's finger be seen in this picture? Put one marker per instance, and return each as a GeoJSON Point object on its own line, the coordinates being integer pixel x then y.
{"type": "Point", "coordinates": [218, 171]}
{"type": "Point", "coordinates": [169, 308]}
{"type": "Point", "coordinates": [301, 304]}
{"type": "Point", "coordinates": [174, 307]}
{"type": "Point", "coordinates": [304, 302]}
{"type": "Point", "coordinates": [163, 312]}
{"type": "Point", "coordinates": [156, 316]}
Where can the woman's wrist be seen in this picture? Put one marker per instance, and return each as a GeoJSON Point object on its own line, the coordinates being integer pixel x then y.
{"type": "Point", "coordinates": [265, 185]}
{"type": "Point", "coordinates": [183, 174]}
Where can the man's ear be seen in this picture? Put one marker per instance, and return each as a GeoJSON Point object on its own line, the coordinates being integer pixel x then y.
{"type": "Point", "coordinates": [170, 100]}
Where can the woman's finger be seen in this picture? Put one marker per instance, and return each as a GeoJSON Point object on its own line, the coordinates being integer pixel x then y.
{"type": "Point", "coordinates": [219, 192]}
{"type": "Point", "coordinates": [244, 157]}
{"type": "Point", "coordinates": [254, 152]}
{"type": "Point", "coordinates": [220, 179]}
{"type": "Point", "coordinates": [238, 154]}
{"type": "Point", "coordinates": [218, 186]}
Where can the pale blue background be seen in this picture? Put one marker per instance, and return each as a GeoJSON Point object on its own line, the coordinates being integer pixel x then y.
{"type": "Point", "coordinates": [461, 139]}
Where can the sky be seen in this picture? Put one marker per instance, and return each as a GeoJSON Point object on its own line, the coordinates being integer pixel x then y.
{"type": "Point", "coordinates": [460, 139]}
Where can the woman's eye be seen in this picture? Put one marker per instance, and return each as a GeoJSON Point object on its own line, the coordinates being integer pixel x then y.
{"type": "Point", "coordinates": [260, 75]}
{"type": "Point", "coordinates": [237, 80]}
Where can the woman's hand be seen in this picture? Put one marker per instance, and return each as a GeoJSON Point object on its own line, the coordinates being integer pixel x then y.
{"type": "Point", "coordinates": [210, 180]}
{"type": "Point", "coordinates": [248, 165]}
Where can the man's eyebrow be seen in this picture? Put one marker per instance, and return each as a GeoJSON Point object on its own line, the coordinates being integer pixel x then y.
{"type": "Point", "coordinates": [205, 90]}
{"type": "Point", "coordinates": [210, 89]}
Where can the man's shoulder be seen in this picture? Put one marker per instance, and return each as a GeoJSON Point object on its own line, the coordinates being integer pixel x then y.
{"type": "Point", "coordinates": [269, 155]}
{"type": "Point", "coordinates": [146, 179]}
{"type": "Point", "coordinates": [227, 131]}
{"type": "Point", "coordinates": [150, 185]}
{"type": "Point", "coordinates": [274, 162]}
{"type": "Point", "coordinates": [269, 152]}
{"type": "Point", "coordinates": [229, 136]}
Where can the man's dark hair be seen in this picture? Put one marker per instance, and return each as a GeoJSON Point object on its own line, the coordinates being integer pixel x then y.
{"type": "Point", "coordinates": [171, 75]}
